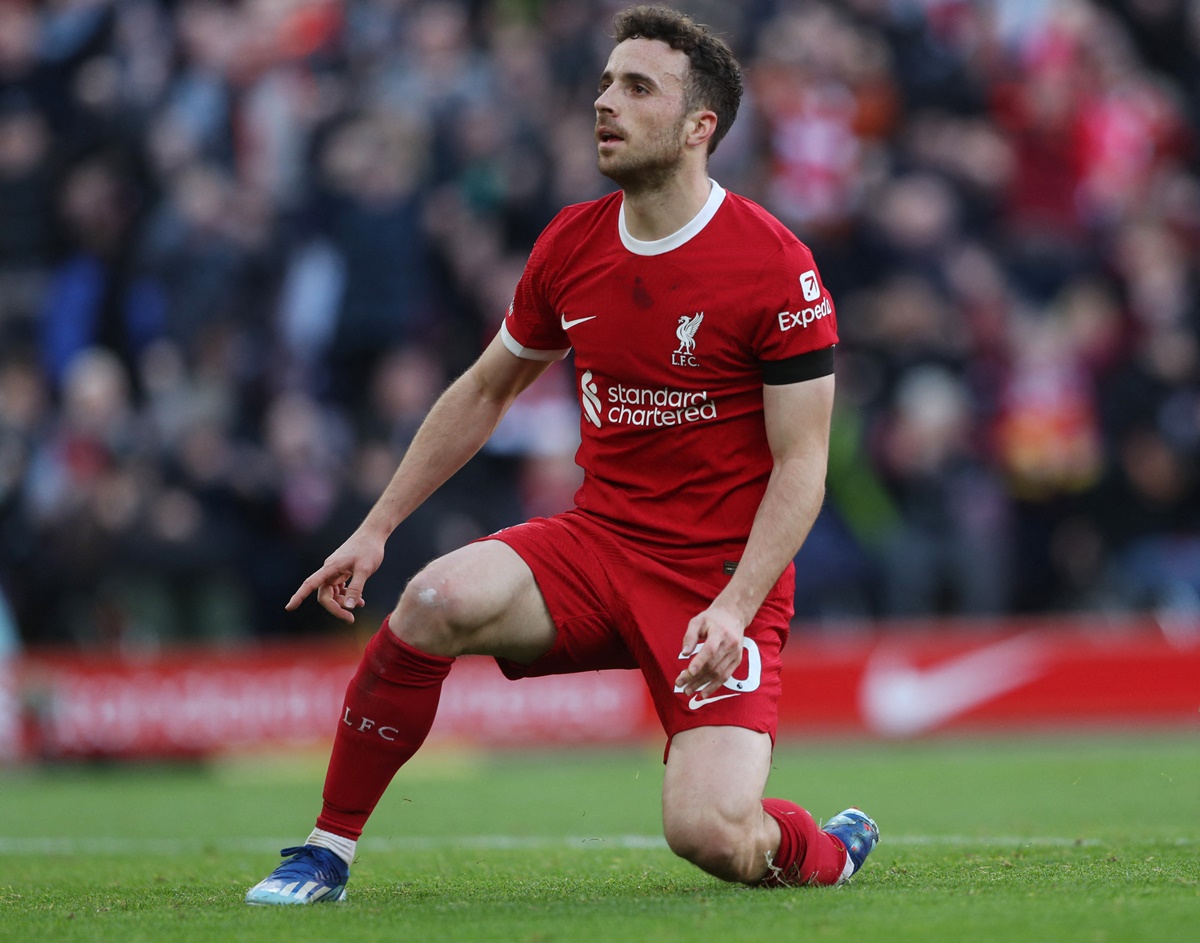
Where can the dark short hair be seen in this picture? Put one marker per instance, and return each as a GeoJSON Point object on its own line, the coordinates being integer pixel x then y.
{"type": "Point", "coordinates": [714, 78]}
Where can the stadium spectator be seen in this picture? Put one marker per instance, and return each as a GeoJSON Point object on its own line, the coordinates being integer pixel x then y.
{"type": "Point", "coordinates": [26, 204]}
{"type": "Point", "coordinates": [97, 296]}
{"type": "Point", "coordinates": [949, 549]}
{"type": "Point", "coordinates": [371, 214]}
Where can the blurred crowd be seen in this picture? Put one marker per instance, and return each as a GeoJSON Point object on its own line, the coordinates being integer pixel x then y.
{"type": "Point", "coordinates": [245, 243]}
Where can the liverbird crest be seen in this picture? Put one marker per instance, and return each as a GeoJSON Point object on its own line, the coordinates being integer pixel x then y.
{"type": "Point", "coordinates": [686, 332]}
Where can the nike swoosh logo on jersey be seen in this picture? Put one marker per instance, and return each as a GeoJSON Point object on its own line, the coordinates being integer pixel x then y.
{"type": "Point", "coordinates": [567, 325]}
{"type": "Point", "coordinates": [697, 701]}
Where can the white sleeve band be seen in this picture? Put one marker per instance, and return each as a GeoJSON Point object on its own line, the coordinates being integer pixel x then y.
{"type": "Point", "coordinates": [529, 353]}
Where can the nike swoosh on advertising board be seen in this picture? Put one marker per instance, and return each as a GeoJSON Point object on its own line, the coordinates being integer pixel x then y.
{"type": "Point", "coordinates": [898, 699]}
{"type": "Point", "coordinates": [567, 325]}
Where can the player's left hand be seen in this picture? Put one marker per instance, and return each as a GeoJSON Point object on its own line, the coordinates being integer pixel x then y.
{"type": "Point", "coordinates": [713, 643]}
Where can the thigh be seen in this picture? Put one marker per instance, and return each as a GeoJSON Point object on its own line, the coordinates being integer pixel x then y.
{"type": "Point", "coordinates": [481, 599]}
{"type": "Point", "coordinates": [571, 566]}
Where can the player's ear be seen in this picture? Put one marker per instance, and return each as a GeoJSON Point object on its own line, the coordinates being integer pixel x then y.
{"type": "Point", "coordinates": [701, 126]}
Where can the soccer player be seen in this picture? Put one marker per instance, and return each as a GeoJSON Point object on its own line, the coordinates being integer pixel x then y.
{"type": "Point", "coordinates": [703, 342]}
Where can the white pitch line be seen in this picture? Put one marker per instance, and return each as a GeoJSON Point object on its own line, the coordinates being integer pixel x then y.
{"type": "Point", "coordinates": [169, 846]}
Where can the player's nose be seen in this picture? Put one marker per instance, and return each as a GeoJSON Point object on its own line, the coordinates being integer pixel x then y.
{"type": "Point", "coordinates": [603, 103]}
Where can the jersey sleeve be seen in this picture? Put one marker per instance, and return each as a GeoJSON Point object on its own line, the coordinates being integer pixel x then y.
{"type": "Point", "coordinates": [797, 327]}
{"type": "Point", "coordinates": [531, 328]}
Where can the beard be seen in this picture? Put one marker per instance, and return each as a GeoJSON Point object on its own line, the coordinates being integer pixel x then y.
{"type": "Point", "coordinates": [649, 170]}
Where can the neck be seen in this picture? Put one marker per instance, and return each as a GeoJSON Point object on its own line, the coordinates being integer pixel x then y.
{"type": "Point", "coordinates": [656, 213]}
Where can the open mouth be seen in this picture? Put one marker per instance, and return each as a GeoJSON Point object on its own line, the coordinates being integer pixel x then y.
{"type": "Point", "coordinates": [605, 136]}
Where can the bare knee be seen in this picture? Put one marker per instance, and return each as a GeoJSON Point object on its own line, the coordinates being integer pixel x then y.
{"type": "Point", "coordinates": [434, 613]}
{"type": "Point", "coordinates": [724, 847]}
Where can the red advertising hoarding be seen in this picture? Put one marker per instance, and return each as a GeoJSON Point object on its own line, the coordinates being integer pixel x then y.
{"type": "Point", "coordinates": [900, 682]}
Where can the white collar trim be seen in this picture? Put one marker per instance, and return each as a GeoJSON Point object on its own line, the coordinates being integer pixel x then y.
{"type": "Point", "coordinates": [716, 196]}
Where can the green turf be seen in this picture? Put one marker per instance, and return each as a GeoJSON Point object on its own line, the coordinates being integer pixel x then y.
{"type": "Point", "coordinates": [1083, 838]}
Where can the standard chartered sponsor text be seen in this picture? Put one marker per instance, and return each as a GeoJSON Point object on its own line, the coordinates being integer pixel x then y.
{"type": "Point", "coordinates": [639, 406]}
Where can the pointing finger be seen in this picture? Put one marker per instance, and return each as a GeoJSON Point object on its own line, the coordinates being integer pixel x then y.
{"type": "Point", "coordinates": [326, 576]}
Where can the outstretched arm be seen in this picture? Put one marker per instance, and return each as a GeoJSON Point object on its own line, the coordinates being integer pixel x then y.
{"type": "Point", "coordinates": [797, 417]}
{"type": "Point", "coordinates": [457, 426]}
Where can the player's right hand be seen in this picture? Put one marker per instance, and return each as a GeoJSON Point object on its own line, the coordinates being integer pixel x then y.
{"type": "Point", "coordinates": [713, 645]}
{"type": "Point", "coordinates": [339, 583]}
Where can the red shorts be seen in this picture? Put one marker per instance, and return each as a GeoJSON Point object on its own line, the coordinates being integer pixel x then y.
{"type": "Point", "coordinates": [618, 605]}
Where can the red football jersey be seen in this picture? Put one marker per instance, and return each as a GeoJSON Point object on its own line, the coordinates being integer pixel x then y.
{"type": "Point", "coordinates": [672, 339]}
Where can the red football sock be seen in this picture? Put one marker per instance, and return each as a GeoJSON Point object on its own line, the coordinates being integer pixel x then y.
{"type": "Point", "coordinates": [389, 708]}
{"type": "Point", "coordinates": [806, 854]}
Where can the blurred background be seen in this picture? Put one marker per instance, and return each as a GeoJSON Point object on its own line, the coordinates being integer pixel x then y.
{"type": "Point", "coordinates": [244, 244]}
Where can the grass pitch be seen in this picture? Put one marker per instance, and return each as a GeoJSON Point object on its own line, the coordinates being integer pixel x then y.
{"type": "Point", "coordinates": [1085, 838]}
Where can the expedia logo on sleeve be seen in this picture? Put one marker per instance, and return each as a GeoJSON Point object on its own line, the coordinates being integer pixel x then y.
{"type": "Point", "coordinates": [805, 316]}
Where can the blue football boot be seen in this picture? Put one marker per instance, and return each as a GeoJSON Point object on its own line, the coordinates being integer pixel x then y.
{"type": "Point", "coordinates": [858, 832]}
{"type": "Point", "coordinates": [311, 875]}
